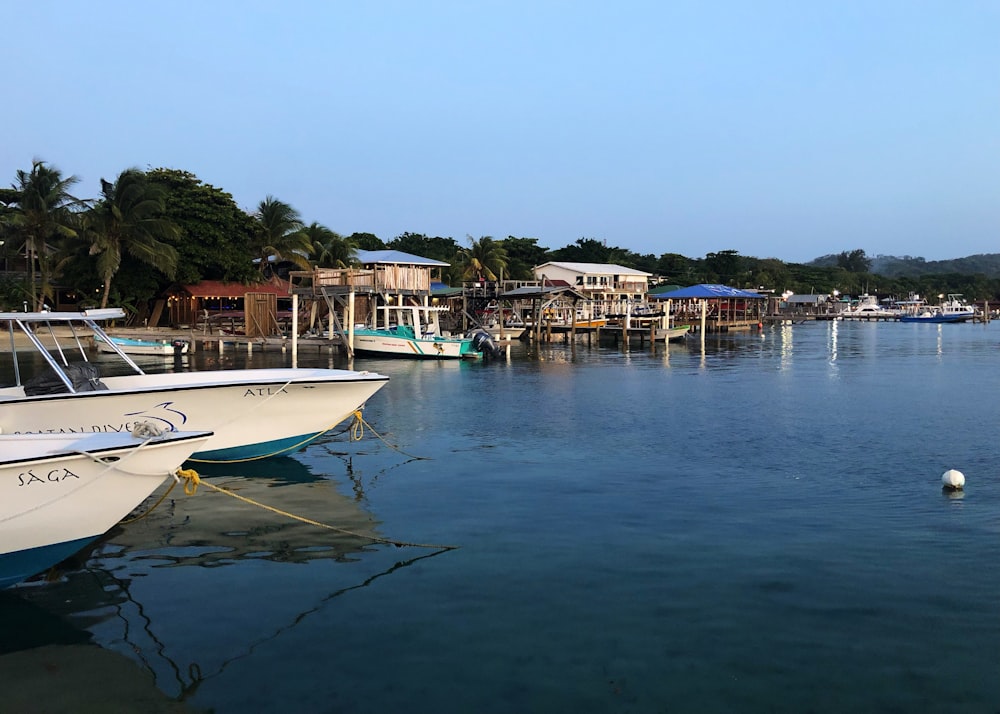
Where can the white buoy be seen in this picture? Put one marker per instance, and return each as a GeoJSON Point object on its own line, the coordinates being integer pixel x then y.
{"type": "Point", "coordinates": [953, 480]}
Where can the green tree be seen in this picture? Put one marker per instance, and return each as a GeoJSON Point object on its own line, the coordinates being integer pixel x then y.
{"type": "Point", "coordinates": [329, 249]}
{"type": "Point", "coordinates": [726, 266]}
{"type": "Point", "coordinates": [38, 215]}
{"type": "Point", "coordinates": [675, 268]}
{"type": "Point", "coordinates": [366, 241]}
{"type": "Point", "coordinates": [523, 254]}
{"type": "Point", "coordinates": [279, 233]}
{"type": "Point", "coordinates": [436, 248]}
{"type": "Point", "coordinates": [128, 218]}
{"type": "Point", "coordinates": [585, 250]}
{"type": "Point", "coordinates": [855, 261]}
{"type": "Point", "coordinates": [485, 259]}
{"type": "Point", "coordinates": [215, 234]}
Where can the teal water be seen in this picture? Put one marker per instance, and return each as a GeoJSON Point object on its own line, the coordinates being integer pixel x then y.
{"type": "Point", "coordinates": [752, 525]}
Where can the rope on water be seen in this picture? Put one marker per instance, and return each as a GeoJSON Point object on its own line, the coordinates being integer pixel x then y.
{"type": "Point", "coordinates": [358, 430]}
{"type": "Point", "coordinates": [152, 508]}
{"type": "Point", "coordinates": [193, 481]}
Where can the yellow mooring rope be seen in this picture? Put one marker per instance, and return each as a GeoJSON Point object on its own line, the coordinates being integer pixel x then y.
{"type": "Point", "coordinates": [356, 429]}
{"type": "Point", "coordinates": [192, 481]}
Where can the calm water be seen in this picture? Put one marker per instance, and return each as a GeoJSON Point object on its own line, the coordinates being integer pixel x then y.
{"type": "Point", "coordinates": [756, 526]}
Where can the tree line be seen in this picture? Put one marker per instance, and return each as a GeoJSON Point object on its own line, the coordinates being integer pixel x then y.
{"type": "Point", "coordinates": [150, 229]}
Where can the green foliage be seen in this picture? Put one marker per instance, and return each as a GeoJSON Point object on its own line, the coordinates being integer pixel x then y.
{"type": "Point", "coordinates": [523, 254]}
{"type": "Point", "coordinates": [14, 292]}
{"type": "Point", "coordinates": [675, 268]}
{"type": "Point", "coordinates": [484, 259]}
{"type": "Point", "coordinates": [726, 266]}
{"type": "Point", "coordinates": [279, 232]}
{"type": "Point", "coordinates": [128, 219]}
{"type": "Point", "coordinates": [38, 214]}
{"type": "Point", "coordinates": [855, 261]}
{"type": "Point", "coordinates": [215, 234]}
{"type": "Point", "coordinates": [587, 250]}
{"type": "Point", "coordinates": [366, 241]}
{"type": "Point", "coordinates": [329, 249]}
{"type": "Point", "coordinates": [437, 248]}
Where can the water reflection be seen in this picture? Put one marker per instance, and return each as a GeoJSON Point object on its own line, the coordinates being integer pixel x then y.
{"type": "Point", "coordinates": [205, 581]}
{"type": "Point", "coordinates": [212, 528]}
{"type": "Point", "coordinates": [180, 638]}
{"type": "Point", "coordinates": [785, 337]}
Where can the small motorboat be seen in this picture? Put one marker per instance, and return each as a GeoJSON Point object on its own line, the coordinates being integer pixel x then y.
{"type": "Point", "coordinates": [135, 346]}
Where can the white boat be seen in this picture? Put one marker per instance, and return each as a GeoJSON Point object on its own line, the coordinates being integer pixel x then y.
{"type": "Point", "coordinates": [414, 331]}
{"type": "Point", "coordinates": [58, 492]}
{"type": "Point", "coordinates": [135, 346]}
{"type": "Point", "coordinates": [868, 308]}
{"type": "Point", "coordinates": [953, 309]}
{"type": "Point", "coordinates": [674, 333]}
{"type": "Point", "coordinates": [254, 413]}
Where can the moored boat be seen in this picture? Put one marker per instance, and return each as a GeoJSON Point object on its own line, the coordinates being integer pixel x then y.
{"type": "Point", "coordinates": [952, 309]}
{"type": "Point", "coordinates": [868, 308]}
{"type": "Point", "coordinates": [136, 346]}
{"type": "Point", "coordinates": [414, 331]}
{"type": "Point", "coordinates": [254, 413]}
{"type": "Point", "coordinates": [673, 333]}
{"type": "Point", "coordinates": [58, 492]}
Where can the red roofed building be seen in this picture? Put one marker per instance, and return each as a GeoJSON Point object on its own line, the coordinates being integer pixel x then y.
{"type": "Point", "coordinates": [189, 304]}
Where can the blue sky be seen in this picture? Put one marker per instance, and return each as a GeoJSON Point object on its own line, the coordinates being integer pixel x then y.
{"type": "Point", "coordinates": [778, 129]}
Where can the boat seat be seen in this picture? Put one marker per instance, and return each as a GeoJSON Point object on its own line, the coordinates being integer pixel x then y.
{"type": "Point", "coordinates": [84, 376]}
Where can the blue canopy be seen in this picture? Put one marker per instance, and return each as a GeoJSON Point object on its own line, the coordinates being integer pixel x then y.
{"type": "Point", "coordinates": [708, 291]}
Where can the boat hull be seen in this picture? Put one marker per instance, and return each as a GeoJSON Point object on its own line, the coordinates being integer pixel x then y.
{"type": "Point", "coordinates": [936, 318]}
{"type": "Point", "coordinates": [674, 334]}
{"type": "Point", "coordinates": [386, 344]}
{"type": "Point", "coordinates": [253, 413]}
{"type": "Point", "coordinates": [59, 492]}
{"type": "Point", "coordinates": [144, 347]}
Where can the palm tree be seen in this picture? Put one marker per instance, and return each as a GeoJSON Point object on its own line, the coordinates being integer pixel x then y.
{"type": "Point", "coordinates": [39, 213]}
{"type": "Point", "coordinates": [329, 248]}
{"type": "Point", "coordinates": [129, 219]}
{"type": "Point", "coordinates": [280, 234]}
{"type": "Point", "coordinates": [483, 259]}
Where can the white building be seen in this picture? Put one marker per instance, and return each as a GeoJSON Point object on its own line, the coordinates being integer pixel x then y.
{"type": "Point", "coordinates": [603, 282]}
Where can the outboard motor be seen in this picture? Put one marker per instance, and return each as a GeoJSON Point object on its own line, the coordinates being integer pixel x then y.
{"type": "Point", "coordinates": [482, 342]}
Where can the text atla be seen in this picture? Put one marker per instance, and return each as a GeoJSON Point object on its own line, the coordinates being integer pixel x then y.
{"type": "Point", "coordinates": [264, 391]}
{"type": "Point", "coordinates": [54, 476]}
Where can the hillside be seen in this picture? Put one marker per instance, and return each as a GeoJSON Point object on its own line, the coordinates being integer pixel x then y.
{"type": "Point", "coordinates": [892, 266]}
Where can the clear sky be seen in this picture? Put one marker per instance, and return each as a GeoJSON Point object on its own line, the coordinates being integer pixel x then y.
{"type": "Point", "coordinates": [779, 129]}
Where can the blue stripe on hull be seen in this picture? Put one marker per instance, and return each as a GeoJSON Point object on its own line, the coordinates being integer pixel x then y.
{"type": "Point", "coordinates": [22, 564]}
{"type": "Point", "coordinates": [250, 452]}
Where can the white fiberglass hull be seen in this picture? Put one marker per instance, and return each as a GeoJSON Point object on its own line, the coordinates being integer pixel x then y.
{"type": "Point", "coordinates": [144, 347]}
{"type": "Point", "coordinates": [253, 413]}
{"type": "Point", "coordinates": [374, 343]}
{"type": "Point", "coordinates": [54, 498]}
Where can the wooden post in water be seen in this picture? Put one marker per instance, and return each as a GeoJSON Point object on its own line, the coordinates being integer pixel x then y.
{"type": "Point", "coordinates": [704, 318]}
{"type": "Point", "coordinates": [295, 329]}
{"type": "Point", "coordinates": [350, 323]}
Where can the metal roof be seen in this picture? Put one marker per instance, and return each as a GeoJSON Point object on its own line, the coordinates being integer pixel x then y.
{"type": "Point", "coordinates": [599, 268]}
{"type": "Point", "coordinates": [372, 257]}
{"type": "Point", "coordinates": [709, 291]}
